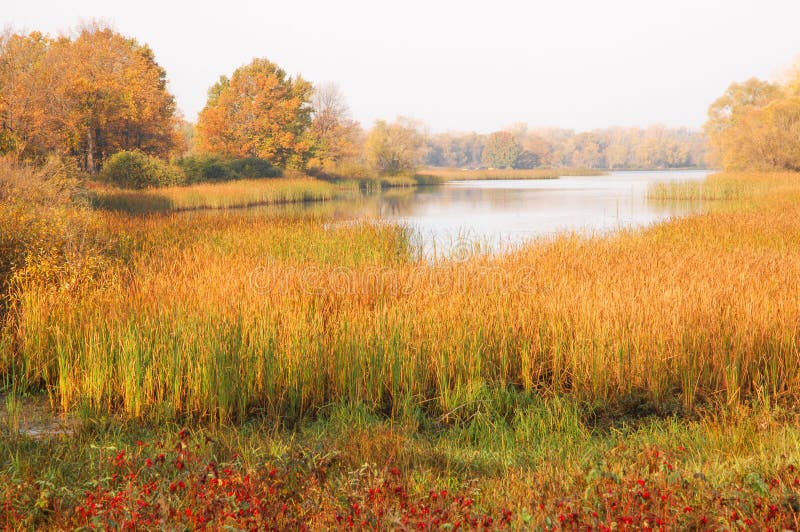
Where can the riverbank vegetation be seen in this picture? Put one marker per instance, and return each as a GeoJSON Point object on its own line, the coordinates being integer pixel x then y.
{"type": "Point", "coordinates": [232, 194]}
{"type": "Point", "coordinates": [337, 338]}
{"type": "Point", "coordinates": [100, 99]}
{"type": "Point", "coordinates": [255, 370]}
{"type": "Point", "coordinates": [519, 146]}
{"type": "Point", "coordinates": [377, 332]}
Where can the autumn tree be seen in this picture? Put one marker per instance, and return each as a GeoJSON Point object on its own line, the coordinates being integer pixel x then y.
{"type": "Point", "coordinates": [23, 98]}
{"type": "Point", "coordinates": [588, 151]}
{"type": "Point", "coordinates": [501, 150]}
{"type": "Point", "coordinates": [756, 125]}
{"type": "Point", "coordinates": [88, 96]}
{"type": "Point", "coordinates": [335, 135]}
{"type": "Point", "coordinates": [538, 146]}
{"type": "Point", "coordinates": [394, 148]}
{"type": "Point", "coordinates": [113, 95]}
{"type": "Point", "coordinates": [454, 150]}
{"type": "Point", "coordinates": [527, 159]}
{"type": "Point", "coordinates": [258, 112]}
{"type": "Point", "coordinates": [616, 155]}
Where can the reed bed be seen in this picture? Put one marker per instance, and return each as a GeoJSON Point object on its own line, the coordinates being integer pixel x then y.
{"type": "Point", "coordinates": [239, 193]}
{"type": "Point", "coordinates": [723, 187]}
{"type": "Point", "coordinates": [221, 317]}
{"type": "Point", "coordinates": [458, 174]}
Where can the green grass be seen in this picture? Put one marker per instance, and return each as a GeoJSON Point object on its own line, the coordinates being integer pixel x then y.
{"type": "Point", "coordinates": [539, 462]}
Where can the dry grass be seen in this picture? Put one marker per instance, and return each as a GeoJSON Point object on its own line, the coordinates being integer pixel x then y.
{"type": "Point", "coordinates": [457, 174]}
{"type": "Point", "coordinates": [218, 317]}
{"type": "Point", "coordinates": [240, 193]}
{"type": "Point", "coordinates": [724, 187]}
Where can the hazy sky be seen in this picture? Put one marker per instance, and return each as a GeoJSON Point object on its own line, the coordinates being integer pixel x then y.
{"type": "Point", "coordinates": [463, 65]}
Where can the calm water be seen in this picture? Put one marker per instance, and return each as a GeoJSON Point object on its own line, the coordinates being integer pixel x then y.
{"type": "Point", "coordinates": [511, 211]}
{"type": "Point", "coordinates": [501, 213]}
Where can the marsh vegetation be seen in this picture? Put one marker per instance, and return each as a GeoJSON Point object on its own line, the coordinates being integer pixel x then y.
{"type": "Point", "coordinates": [200, 329]}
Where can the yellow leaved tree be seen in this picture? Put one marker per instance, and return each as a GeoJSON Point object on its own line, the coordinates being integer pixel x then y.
{"type": "Point", "coordinates": [258, 112]}
{"type": "Point", "coordinates": [755, 125]}
{"type": "Point", "coordinates": [89, 96]}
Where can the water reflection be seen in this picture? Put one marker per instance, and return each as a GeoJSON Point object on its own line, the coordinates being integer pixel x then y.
{"type": "Point", "coordinates": [503, 213]}
{"type": "Point", "coordinates": [508, 212]}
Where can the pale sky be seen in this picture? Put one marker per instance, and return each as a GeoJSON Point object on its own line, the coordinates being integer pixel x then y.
{"type": "Point", "coordinates": [463, 65]}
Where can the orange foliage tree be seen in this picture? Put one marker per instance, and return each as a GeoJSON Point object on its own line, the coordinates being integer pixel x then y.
{"type": "Point", "coordinates": [88, 97]}
{"type": "Point", "coordinates": [258, 112]}
{"type": "Point", "coordinates": [23, 116]}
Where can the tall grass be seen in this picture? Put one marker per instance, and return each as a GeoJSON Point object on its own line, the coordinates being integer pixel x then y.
{"type": "Point", "coordinates": [457, 174]}
{"type": "Point", "coordinates": [223, 316]}
{"type": "Point", "coordinates": [374, 182]}
{"type": "Point", "coordinates": [724, 187]}
{"type": "Point", "coordinates": [240, 193]}
{"type": "Point", "coordinates": [44, 230]}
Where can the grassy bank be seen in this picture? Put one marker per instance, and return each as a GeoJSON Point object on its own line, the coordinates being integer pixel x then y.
{"type": "Point", "coordinates": [365, 179]}
{"type": "Point", "coordinates": [239, 193]}
{"type": "Point", "coordinates": [643, 379]}
{"type": "Point", "coordinates": [457, 174]}
{"type": "Point", "coordinates": [287, 317]}
{"type": "Point", "coordinates": [730, 187]}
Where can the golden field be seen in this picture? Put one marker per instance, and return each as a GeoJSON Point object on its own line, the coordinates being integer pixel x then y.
{"type": "Point", "coordinates": [646, 377]}
{"type": "Point", "coordinates": [225, 316]}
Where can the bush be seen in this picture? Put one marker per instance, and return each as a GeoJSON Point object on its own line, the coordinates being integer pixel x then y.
{"type": "Point", "coordinates": [354, 170]}
{"type": "Point", "coordinates": [205, 168]}
{"type": "Point", "coordinates": [213, 168]}
{"type": "Point", "coordinates": [134, 169]}
{"type": "Point", "coordinates": [253, 167]}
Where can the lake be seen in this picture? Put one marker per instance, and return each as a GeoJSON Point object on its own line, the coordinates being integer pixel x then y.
{"type": "Point", "coordinates": [500, 213]}
{"type": "Point", "coordinates": [496, 214]}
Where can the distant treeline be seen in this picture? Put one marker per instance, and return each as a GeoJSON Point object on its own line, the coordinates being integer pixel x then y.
{"type": "Point", "coordinates": [613, 148]}
{"type": "Point", "coordinates": [100, 99]}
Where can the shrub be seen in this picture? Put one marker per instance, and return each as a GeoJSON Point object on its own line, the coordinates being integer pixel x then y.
{"type": "Point", "coordinates": [253, 167]}
{"type": "Point", "coordinates": [205, 168]}
{"type": "Point", "coordinates": [213, 168]}
{"type": "Point", "coordinates": [134, 169]}
{"type": "Point", "coordinates": [354, 170]}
